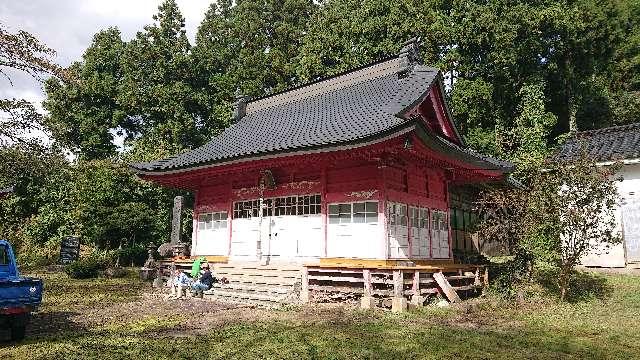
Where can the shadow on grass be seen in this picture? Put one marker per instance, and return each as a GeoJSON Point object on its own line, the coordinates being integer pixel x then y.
{"type": "Point", "coordinates": [366, 340]}
{"type": "Point", "coordinates": [584, 286]}
{"type": "Point", "coordinates": [46, 324]}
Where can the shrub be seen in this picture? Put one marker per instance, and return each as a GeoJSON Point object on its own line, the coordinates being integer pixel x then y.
{"type": "Point", "coordinates": [84, 268]}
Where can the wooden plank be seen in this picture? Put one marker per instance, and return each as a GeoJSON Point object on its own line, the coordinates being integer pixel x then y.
{"type": "Point", "coordinates": [459, 277]}
{"type": "Point", "coordinates": [336, 278]}
{"type": "Point", "coordinates": [466, 287]}
{"type": "Point", "coordinates": [434, 268]}
{"type": "Point", "coordinates": [261, 280]}
{"type": "Point", "coordinates": [449, 291]}
{"type": "Point", "coordinates": [342, 271]}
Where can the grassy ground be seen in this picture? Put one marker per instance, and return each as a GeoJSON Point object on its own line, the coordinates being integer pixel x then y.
{"type": "Point", "coordinates": [111, 319]}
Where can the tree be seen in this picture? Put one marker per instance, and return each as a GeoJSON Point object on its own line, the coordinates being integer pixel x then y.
{"type": "Point", "coordinates": [156, 91]}
{"type": "Point", "coordinates": [22, 52]}
{"type": "Point", "coordinates": [345, 34]}
{"type": "Point", "coordinates": [250, 46]}
{"type": "Point", "coordinates": [576, 202]}
{"type": "Point", "coordinates": [526, 142]}
{"type": "Point", "coordinates": [84, 111]}
{"type": "Point", "coordinates": [565, 214]}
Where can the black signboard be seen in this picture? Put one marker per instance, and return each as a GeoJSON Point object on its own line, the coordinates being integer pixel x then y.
{"type": "Point", "coordinates": [69, 249]}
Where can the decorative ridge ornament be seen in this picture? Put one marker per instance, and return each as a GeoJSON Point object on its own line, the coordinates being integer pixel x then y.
{"type": "Point", "coordinates": [409, 56]}
{"type": "Point", "coordinates": [240, 106]}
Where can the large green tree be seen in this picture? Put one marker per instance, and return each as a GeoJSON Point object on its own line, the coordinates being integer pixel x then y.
{"type": "Point", "coordinates": [489, 51]}
{"type": "Point", "coordinates": [84, 110]}
{"type": "Point", "coordinates": [248, 46]}
{"type": "Point", "coordinates": [156, 90]}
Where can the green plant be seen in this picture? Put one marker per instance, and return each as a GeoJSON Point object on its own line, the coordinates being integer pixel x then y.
{"type": "Point", "coordinates": [566, 213]}
{"type": "Point", "coordinates": [85, 268]}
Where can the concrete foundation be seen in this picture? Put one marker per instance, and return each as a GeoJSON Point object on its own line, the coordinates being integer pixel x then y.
{"type": "Point", "coordinates": [367, 302]}
{"type": "Point", "coordinates": [398, 304]}
{"type": "Point", "coordinates": [417, 301]}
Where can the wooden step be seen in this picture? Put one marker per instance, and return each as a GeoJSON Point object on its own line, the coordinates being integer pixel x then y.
{"type": "Point", "coordinates": [231, 300]}
{"type": "Point", "coordinates": [253, 288]}
{"type": "Point", "coordinates": [259, 273]}
{"type": "Point", "coordinates": [262, 281]}
{"type": "Point", "coordinates": [248, 298]}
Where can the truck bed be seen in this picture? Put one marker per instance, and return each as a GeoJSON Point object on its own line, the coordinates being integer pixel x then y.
{"type": "Point", "coordinates": [20, 293]}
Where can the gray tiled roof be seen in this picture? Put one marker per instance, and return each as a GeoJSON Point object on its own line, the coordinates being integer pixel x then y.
{"type": "Point", "coordinates": [608, 144]}
{"type": "Point", "coordinates": [345, 109]}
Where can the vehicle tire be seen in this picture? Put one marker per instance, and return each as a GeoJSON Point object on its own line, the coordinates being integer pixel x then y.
{"type": "Point", "coordinates": [18, 332]}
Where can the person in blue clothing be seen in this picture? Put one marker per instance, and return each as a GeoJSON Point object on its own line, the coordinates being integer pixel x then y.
{"type": "Point", "coordinates": [204, 282]}
{"type": "Point", "coordinates": [181, 282]}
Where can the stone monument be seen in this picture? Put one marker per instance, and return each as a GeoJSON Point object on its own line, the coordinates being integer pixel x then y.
{"type": "Point", "coordinates": [176, 220]}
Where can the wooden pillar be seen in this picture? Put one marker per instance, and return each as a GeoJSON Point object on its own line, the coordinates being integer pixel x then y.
{"type": "Point", "coordinates": [398, 303]}
{"type": "Point", "coordinates": [416, 282]}
{"type": "Point", "coordinates": [417, 299]}
{"type": "Point", "coordinates": [366, 276]}
{"type": "Point", "coordinates": [304, 290]}
{"type": "Point", "coordinates": [367, 301]}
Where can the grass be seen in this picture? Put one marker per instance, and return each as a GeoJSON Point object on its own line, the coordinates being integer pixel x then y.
{"type": "Point", "coordinates": [538, 328]}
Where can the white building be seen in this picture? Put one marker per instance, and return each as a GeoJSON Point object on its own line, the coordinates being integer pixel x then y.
{"type": "Point", "coordinates": [607, 146]}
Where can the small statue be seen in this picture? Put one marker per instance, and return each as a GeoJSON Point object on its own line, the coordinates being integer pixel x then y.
{"type": "Point", "coordinates": [151, 262]}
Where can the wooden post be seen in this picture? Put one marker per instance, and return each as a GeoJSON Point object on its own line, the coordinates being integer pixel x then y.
{"type": "Point", "coordinates": [366, 276]}
{"type": "Point", "coordinates": [304, 290]}
{"type": "Point", "coordinates": [367, 301]}
{"type": "Point", "coordinates": [416, 299]}
{"type": "Point", "coordinates": [477, 281]}
{"type": "Point", "coordinates": [416, 283]}
{"type": "Point", "coordinates": [398, 282]}
{"type": "Point", "coordinates": [398, 303]}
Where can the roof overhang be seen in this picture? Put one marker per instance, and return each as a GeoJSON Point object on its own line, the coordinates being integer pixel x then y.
{"type": "Point", "coordinates": [445, 147]}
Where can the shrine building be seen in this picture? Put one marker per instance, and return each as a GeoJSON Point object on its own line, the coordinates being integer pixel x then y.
{"type": "Point", "coordinates": [354, 166]}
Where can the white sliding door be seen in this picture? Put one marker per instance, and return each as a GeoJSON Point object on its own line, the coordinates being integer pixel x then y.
{"type": "Point", "coordinates": [420, 233]}
{"type": "Point", "coordinates": [353, 230]}
{"type": "Point", "coordinates": [439, 234]}
{"type": "Point", "coordinates": [213, 234]}
{"type": "Point", "coordinates": [398, 230]}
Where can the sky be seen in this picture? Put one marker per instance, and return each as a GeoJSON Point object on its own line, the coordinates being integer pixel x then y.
{"type": "Point", "coordinates": [68, 26]}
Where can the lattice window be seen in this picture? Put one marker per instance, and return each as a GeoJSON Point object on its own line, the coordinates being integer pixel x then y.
{"type": "Point", "coordinates": [280, 206]}
{"type": "Point", "coordinates": [212, 221]}
{"type": "Point", "coordinates": [359, 212]}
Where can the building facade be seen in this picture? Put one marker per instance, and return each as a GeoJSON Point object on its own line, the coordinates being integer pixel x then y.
{"type": "Point", "coordinates": [356, 166]}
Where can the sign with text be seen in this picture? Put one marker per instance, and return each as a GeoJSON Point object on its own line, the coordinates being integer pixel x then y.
{"type": "Point", "coordinates": [69, 249]}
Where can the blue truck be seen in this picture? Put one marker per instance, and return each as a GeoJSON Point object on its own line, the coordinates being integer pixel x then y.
{"type": "Point", "coordinates": [19, 296]}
